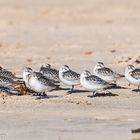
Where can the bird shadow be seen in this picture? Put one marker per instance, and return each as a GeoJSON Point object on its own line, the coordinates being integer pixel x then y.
{"type": "Point", "coordinates": [136, 90]}
{"type": "Point", "coordinates": [46, 97]}
{"type": "Point", "coordinates": [59, 88]}
{"type": "Point", "coordinates": [103, 95]}
{"type": "Point", "coordinates": [116, 87]}
{"type": "Point", "coordinates": [77, 91]}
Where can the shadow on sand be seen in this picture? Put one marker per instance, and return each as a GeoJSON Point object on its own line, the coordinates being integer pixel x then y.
{"type": "Point", "coordinates": [77, 91]}
{"type": "Point", "coordinates": [103, 95]}
{"type": "Point", "coordinates": [116, 87]}
{"type": "Point", "coordinates": [46, 97]}
{"type": "Point", "coordinates": [136, 90]}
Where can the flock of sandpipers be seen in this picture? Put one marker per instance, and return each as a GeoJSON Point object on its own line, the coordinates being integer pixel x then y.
{"type": "Point", "coordinates": [48, 79]}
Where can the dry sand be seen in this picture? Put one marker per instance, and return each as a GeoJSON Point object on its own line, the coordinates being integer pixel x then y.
{"type": "Point", "coordinates": [78, 33]}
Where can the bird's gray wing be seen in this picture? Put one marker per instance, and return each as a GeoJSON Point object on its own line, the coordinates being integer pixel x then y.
{"type": "Point", "coordinates": [7, 74]}
{"type": "Point", "coordinates": [135, 73]}
{"type": "Point", "coordinates": [105, 72]}
{"type": "Point", "coordinates": [51, 73]}
{"type": "Point", "coordinates": [92, 79]}
{"type": "Point", "coordinates": [71, 75]}
{"type": "Point", "coordinates": [6, 80]}
{"type": "Point", "coordinates": [45, 81]}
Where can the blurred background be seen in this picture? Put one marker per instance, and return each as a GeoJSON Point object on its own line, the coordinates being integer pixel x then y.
{"type": "Point", "coordinates": [76, 32]}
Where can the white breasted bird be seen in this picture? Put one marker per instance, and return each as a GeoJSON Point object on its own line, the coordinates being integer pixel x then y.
{"type": "Point", "coordinates": [132, 75]}
{"type": "Point", "coordinates": [106, 73]}
{"type": "Point", "coordinates": [93, 82]}
{"type": "Point", "coordinates": [9, 74]}
{"type": "Point", "coordinates": [69, 77]}
{"type": "Point", "coordinates": [40, 83]}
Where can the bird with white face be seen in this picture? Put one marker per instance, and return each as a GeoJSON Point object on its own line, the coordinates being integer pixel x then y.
{"type": "Point", "coordinates": [106, 73]}
{"type": "Point", "coordinates": [132, 75]}
{"type": "Point", "coordinates": [37, 82]}
{"type": "Point", "coordinates": [40, 84]}
{"type": "Point", "coordinates": [93, 82]}
{"type": "Point", "coordinates": [26, 72]}
{"type": "Point", "coordinates": [69, 77]}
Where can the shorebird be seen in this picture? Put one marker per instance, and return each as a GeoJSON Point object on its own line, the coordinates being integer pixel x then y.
{"type": "Point", "coordinates": [50, 72]}
{"type": "Point", "coordinates": [93, 82]}
{"type": "Point", "coordinates": [69, 77]}
{"type": "Point", "coordinates": [106, 73]}
{"type": "Point", "coordinates": [40, 83]}
{"type": "Point", "coordinates": [133, 75]}
{"type": "Point", "coordinates": [6, 81]}
{"type": "Point", "coordinates": [9, 74]}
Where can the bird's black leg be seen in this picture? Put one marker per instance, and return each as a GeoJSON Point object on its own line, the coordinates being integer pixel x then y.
{"type": "Point", "coordinates": [72, 89]}
{"type": "Point", "coordinates": [44, 94]}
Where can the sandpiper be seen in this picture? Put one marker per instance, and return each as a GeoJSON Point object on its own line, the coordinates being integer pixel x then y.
{"type": "Point", "coordinates": [6, 81]}
{"type": "Point", "coordinates": [132, 75]}
{"type": "Point", "coordinates": [69, 77]}
{"type": "Point", "coordinates": [40, 83]}
{"type": "Point", "coordinates": [93, 82]}
{"type": "Point", "coordinates": [50, 72]}
{"type": "Point", "coordinates": [9, 74]}
{"type": "Point", "coordinates": [106, 73]}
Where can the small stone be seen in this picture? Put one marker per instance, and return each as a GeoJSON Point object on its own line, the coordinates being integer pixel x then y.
{"type": "Point", "coordinates": [112, 51]}
{"type": "Point", "coordinates": [88, 53]}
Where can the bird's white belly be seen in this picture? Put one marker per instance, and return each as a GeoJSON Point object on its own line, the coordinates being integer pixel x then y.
{"type": "Point", "coordinates": [37, 86]}
{"type": "Point", "coordinates": [25, 79]}
{"type": "Point", "coordinates": [91, 87]}
{"type": "Point", "coordinates": [70, 83]}
{"type": "Point", "coordinates": [107, 78]}
{"type": "Point", "coordinates": [132, 80]}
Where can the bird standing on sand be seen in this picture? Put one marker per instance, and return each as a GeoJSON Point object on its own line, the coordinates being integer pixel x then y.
{"type": "Point", "coordinates": [7, 78]}
{"type": "Point", "coordinates": [9, 74]}
{"type": "Point", "coordinates": [133, 75]}
{"type": "Point", "coordinates": [69, 77]}
{"type": "Point", "coordinates": [106, 73]}
{"type": "Point", "coordinates": [93, 82]}
{"type": "Point", "coordinates": [40, 84]}
{"type": "Point", "coordinates": [37, 82]}
{"type": "Point", "coordinates": [6, 81]}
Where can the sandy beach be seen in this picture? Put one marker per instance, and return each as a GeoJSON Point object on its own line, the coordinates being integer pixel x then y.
{"type": "Point", "coordinates": [78, 33]}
